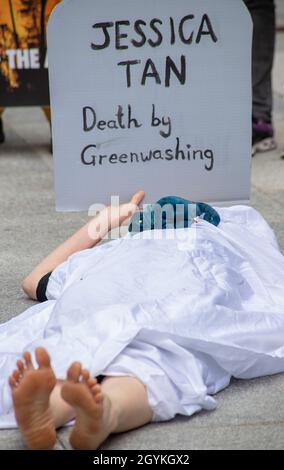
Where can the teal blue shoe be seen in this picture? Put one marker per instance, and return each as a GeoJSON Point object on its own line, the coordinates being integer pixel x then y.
{"type": "Point", "coordinates": [180, 213]}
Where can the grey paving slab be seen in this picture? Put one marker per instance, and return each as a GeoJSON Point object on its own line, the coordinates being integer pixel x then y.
{"type": "Point", "coordinates": [11, 440]}
{"type": "Point", "coordinates": [248, 414]}
{"type": "Point", "coordinates": [178, 435]}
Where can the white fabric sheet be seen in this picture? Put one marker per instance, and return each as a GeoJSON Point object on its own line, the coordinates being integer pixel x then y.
{"type": "Point", "coordinates": [184, 313]}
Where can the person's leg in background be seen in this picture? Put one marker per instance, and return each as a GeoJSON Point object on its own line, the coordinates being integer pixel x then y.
{"type": "Point", "coordinates": [46, 110]}
{"type": "Point", "coordinates": [2, 135]}
{"type": "Point", "coordinates": [264, 23]}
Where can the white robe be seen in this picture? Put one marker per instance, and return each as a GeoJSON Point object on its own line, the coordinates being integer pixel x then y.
{"type": "Point", "coordinates": [183, 313]}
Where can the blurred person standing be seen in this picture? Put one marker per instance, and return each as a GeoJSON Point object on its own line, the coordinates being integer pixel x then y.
{"type": "Point", "coordinates": [2, 135]}
{"type": "Point", "coordinates": [264, 27]}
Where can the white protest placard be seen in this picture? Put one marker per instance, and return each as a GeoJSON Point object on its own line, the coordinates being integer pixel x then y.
{"type": "Point", "coordinates": [153, 95]}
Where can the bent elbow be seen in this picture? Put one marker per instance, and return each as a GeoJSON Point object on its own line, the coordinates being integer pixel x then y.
{"type": "Point", "coordinates": [29, 288]}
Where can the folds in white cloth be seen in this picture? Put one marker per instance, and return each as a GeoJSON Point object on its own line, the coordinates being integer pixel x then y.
{"type": "Point", "coordinates": [183, 313]}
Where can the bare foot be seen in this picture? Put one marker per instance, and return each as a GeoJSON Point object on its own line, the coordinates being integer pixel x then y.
{"type": "Point", "coordinates": [31, 389]}
{"type": "Point", "coordinates": [94, 412]}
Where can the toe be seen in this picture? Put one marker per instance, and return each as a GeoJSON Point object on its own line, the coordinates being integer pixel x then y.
{"type": "Point", "coordinates": [21, 366]}
{"type": "Point", "coordinates": [92, 381]}
{"type": "Point", "coordinates": [96, 389]}
{"type": "Point", "coordinates": [12, 382]}
{"type": "Point", "coordinates": [85, 375]}
{"type": "Point", "coordinates": [42, 358]}
{"type": "Point", "coordinates": [74, 372]}
{"type": "Point", "coordinates": [16, 375]}
{"type": "Point", "coordinates": [99, 398]}
{"type": "Point", "coordinates": [28, 360]}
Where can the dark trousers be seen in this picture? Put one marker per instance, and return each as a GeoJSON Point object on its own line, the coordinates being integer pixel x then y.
{"type": "Point", "coordinates": [263, 16]}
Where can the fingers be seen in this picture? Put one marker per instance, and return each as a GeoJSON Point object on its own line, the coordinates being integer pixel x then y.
{"type": "Point", "coordinates": [137, 197]}
{"type": "Point", "coordinates": [127, 210]}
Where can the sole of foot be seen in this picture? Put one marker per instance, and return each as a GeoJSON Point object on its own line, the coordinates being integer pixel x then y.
{"type": "Point", "coordinates": [93, 410]}
{"type": "Point", "coordinates": [31, 389]}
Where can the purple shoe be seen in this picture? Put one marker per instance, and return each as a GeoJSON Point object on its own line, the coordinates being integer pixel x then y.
{"type": "Point", "coordinates": [262, 137]}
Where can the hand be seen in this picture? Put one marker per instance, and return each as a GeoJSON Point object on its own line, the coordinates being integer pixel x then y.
{"type": "Point", "coordinates": [112, 217]}
{"type": "Point", "coordinates": [118, 215]}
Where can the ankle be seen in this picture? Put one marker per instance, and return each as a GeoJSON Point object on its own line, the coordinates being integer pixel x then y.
{"type": "Point", "coordinates": [111, 413]}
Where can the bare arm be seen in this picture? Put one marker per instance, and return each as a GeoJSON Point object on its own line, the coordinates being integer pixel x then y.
{"type": "Point", "coordinates": [86, 237]}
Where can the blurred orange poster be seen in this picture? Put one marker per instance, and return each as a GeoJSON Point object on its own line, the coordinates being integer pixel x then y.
{"type": "Point", "coordinates": [23, 57]}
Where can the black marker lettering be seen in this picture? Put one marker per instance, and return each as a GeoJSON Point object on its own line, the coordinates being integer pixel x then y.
{"type": "Point", "coordinates": [157, 31]}
{"type": "Point", "coordinates": [128, 64]}
{"type": "Point", "coordinates": [89, 126]}
{"type": "Point", "coordinates": [119, 35]}
{"type": "Point", "coordinates": [150, 71]}
{"type": "Point", "coordinates": [181, 31]}
{"type": "Point", "coordinates": [204, 32]}
{"type": "Point", "coordinates": [104, 27]}
{"type": "Point", "coordinates": [140, 32]}
{"type": "Point", "coordinates": [171, 67]}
